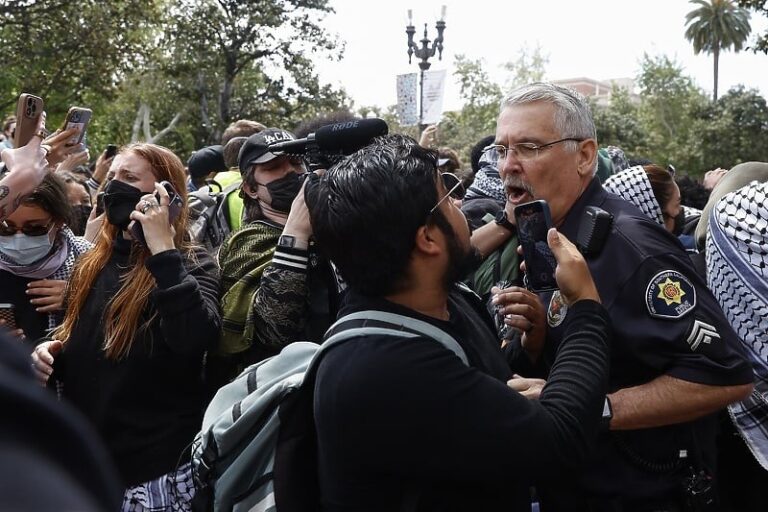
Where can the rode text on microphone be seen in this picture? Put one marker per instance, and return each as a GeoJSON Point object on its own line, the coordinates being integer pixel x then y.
{"type": "Point", "coordinates": [332, 142]}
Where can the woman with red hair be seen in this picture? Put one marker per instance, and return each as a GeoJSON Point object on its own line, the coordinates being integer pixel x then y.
{"type": "Point", "coordinates": [139, 320]}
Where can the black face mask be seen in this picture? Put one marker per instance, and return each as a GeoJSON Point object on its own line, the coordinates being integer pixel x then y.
{"type": "Point", "coordinates": [120, 199]}
{"type": "Point", "coordinates": [677, 230]}
{"type": "Point", "coordinates": [284, 190]}
{"type": "Point", "coordinates": [80, 220]}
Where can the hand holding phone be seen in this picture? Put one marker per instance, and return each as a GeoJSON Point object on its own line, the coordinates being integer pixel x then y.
{"type": "Point", "coordinates": [146, 218]}
{"type": "Point", "coordinates": [78, 118]}
{"type": "Point", "coordinates": [533, 222]}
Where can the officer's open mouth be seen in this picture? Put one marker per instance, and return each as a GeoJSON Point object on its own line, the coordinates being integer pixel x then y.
{"type": "Point", "coordinates": [517, 195]}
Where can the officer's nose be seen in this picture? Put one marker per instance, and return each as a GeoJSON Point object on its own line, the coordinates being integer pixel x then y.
{"type": "Point", "coordinates": [509, 165]}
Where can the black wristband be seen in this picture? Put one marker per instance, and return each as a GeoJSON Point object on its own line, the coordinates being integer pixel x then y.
{"type": "Point", "coordinates": [501, 220]}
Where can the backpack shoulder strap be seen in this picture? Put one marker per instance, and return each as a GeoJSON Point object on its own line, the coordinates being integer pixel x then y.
{"type": "Point", "coordinates": [377, 322]}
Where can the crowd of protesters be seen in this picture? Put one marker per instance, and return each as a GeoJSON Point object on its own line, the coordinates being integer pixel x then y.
{"type": "Point", "coordinates": [140, 285]}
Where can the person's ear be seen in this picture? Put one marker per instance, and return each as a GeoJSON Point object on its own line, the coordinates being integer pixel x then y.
{"type": "Point", "coordinates": [249, 191]}
{"type": "Point", "coordinates": [586, 157]}
{"type": "Point", "coordinates": [426, 240]}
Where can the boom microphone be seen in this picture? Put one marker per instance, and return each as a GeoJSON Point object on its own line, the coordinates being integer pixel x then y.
{"type": "Point", "coordinates": [345, 138]}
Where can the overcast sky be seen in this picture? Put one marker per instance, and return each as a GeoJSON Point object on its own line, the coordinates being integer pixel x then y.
{"type": "Point", "coordinates": [593, 38]}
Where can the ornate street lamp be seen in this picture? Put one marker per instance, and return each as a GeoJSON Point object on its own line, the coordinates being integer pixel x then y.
{"type": "Point", "coordinates": [424, 53]}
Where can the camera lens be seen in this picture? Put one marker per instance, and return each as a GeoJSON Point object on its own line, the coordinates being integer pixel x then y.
{"type": "Point", "coordinates": [29, 112]}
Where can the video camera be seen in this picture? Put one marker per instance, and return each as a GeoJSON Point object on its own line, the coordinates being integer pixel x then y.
{"type": "Point", "coordinates": [330, 143]}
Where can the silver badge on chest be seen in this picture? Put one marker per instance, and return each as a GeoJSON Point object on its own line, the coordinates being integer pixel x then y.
{"type": "Point", "coordinates": [557, 310]}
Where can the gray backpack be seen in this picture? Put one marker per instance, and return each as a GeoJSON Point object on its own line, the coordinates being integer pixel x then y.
{"type": "Point", "coordinates": [257, 450]}
{"type": "Point", "coordinates": [208, 224]}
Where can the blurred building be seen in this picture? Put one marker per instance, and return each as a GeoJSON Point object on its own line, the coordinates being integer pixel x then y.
{"type": "Point", "coordinates": [599, 90]}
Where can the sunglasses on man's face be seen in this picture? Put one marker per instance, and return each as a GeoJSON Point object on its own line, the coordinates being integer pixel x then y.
{"type": "Point", "coordinates": [453, 184]}
{"type": "Point", "coordinates": [27, 229]}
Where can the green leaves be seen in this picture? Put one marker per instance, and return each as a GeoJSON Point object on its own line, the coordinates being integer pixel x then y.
{"type": "Point", "coordinates": [212, 61]}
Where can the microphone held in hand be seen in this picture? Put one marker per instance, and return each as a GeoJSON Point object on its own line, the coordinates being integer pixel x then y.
{"type": "Point", "coordinates": [334, 139]}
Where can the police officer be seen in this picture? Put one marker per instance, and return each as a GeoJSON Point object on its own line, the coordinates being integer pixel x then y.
{"type": "Point", "coordinates": [675, 359]}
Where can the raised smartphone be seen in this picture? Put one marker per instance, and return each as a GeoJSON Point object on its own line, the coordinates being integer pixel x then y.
{"type": "Point", "coordinates": [533, 222]}
{"type": "Point", "coordinates": [29, 108]}
{"type": "Point", "coordinates": [77, 117]}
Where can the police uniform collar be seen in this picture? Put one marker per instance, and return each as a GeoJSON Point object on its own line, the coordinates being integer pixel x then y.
{"type": "Point", "coordinates": [594, 194]}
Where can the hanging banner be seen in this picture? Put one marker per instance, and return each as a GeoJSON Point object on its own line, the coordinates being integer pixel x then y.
{"type": "Point", "coordinates": [433, 91]}
{"type": "Point", "coordinates": [407, 113]}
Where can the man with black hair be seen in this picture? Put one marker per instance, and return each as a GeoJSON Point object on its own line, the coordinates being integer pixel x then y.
{"type": "Point", "coordinates": [403, 422]}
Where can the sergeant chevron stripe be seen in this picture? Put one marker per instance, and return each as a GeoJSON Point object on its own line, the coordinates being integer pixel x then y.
{"type": "Point", "coordinates": [702, 332]}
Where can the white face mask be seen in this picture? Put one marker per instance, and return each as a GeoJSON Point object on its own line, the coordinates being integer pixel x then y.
{"type": "Point", "coordinates": [24, 249]}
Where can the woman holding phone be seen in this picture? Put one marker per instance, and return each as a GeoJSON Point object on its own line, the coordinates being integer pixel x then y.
{"type": "Point", "coordinates": [38, 251]}
{"type": "Point", "coordinates": [139, 319]}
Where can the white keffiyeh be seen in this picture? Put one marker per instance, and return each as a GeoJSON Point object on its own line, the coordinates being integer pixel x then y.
{"type": "Point", "coordinates": [737, 274]}
{"type": "Point", "coordinates": [634, 186]}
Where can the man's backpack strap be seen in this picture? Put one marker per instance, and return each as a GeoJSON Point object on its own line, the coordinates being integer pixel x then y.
{"type": "Point", "coordinates": [392, 324]}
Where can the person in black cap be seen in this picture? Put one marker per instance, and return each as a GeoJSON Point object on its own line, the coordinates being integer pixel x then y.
{"type": "Point", "coordinates": [202, 164]}
{"type": "Point", "coordinates": [265, 265]}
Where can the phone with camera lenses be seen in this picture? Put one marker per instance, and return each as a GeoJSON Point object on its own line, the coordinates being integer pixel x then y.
{"type": "Point", "coordinates": [77, 117]}
{"type": "Point", "coordinates": [533, 222]}
{"type": "Point", "coordinates": [29, 108]}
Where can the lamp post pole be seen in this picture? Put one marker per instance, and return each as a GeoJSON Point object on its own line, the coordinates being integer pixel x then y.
{"type": "Point", "coordinates": [424, 52]}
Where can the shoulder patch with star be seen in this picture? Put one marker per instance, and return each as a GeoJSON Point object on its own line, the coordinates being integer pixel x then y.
{"type": "Point", "coordinates": [670, 295]}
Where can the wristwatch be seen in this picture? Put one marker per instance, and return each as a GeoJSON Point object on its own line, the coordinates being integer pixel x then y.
{"type": "Point", "coordinates": [605, 420]}
{"type": "Point", "coordinates": [286, 241]}
{"type": "Point", "coordinates": [501, 220]}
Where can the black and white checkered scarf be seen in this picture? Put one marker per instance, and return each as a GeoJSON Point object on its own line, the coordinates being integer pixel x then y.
{"type": "Point", "coordinates": [487, 183]}
{"type": "Point", "coordinates": [634, 186]}
{"type": "Point", "coordinates": [737, 274]}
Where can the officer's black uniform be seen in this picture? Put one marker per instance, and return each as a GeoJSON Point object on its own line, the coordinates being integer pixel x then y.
{"type": "Point", "coordinates": [666, 322]}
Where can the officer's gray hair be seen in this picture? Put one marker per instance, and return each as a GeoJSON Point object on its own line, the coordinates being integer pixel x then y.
{"type": "Point", "coordinates": [573, 117]}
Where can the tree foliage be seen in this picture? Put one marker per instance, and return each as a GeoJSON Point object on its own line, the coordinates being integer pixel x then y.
{"type": "Point", "coordinates": [715, 26]}
{"type": "Point", "coordinates": [672, 121]}
{"type": "Point", "coordinates": [759, 7]}
{"type": "Point", "coordinates": [204, 63]}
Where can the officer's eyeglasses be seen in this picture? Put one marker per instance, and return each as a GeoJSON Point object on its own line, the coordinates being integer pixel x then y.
{"type": "Point", "coordinates": [454, 186]}
{"type": "Point", "coordinates": [29, 230]}
{"type": "Point", "coordinates": [523, 151]}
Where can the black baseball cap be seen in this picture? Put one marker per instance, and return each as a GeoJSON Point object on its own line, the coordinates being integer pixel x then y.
{"type": "Point", "coordinates": [206, 160]}
{"type": "Point", "coordinates": [256, 148]}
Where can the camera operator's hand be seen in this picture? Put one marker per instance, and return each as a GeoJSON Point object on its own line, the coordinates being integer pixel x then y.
{"type": "Point", "coordinates": [572, 273]}
{"type": "Point", "coordinates": [298, 224]}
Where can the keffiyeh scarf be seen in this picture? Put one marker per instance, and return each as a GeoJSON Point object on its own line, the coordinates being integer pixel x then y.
{"type": "Point", "coordinates": [58, 266]}
{"type": "Point", "coordinates": [737, 274]}
{"type": "Point", "coordinates": [634, 186]}
{"type": "Point", "coordinates": [487, 183]}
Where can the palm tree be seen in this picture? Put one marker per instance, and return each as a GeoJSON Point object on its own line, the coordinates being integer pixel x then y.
{"type": "Point", "coordinates": [717, 25]}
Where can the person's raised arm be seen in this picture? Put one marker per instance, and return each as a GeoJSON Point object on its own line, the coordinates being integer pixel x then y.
{"type": "Point", "coordinates": [26, 168]}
